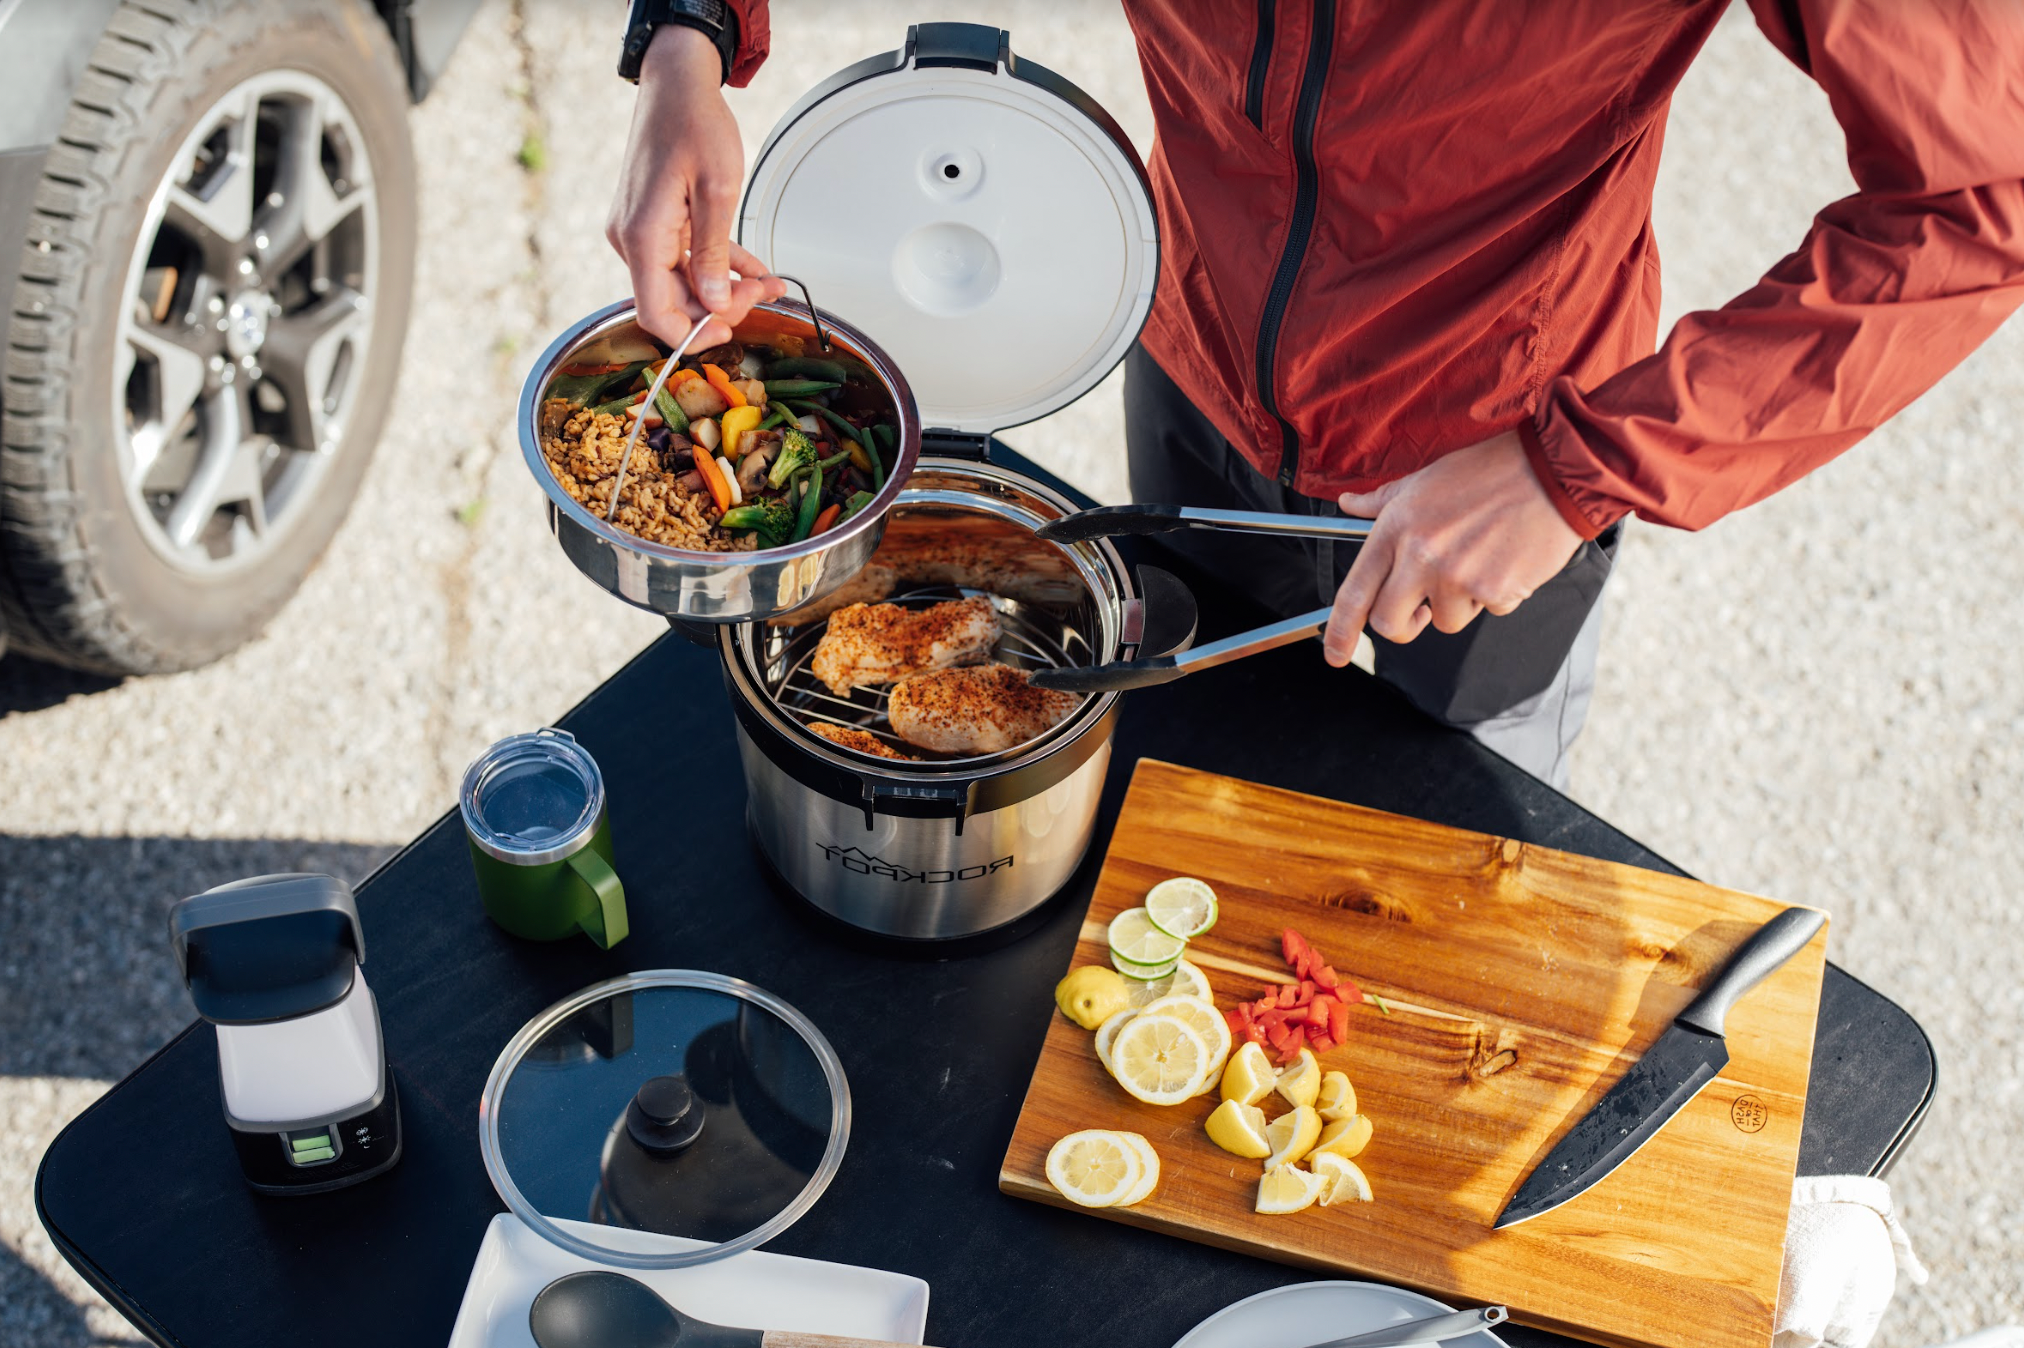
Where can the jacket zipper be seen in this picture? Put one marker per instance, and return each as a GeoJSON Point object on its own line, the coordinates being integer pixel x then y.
{"type": "Point", "coordinates": [1299, 228]}
{"type": "Point", "coordinates": [1261, 62]}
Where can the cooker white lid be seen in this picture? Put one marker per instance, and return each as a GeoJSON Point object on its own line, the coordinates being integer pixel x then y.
{"type": "Point", "coordinates": [978, 216]}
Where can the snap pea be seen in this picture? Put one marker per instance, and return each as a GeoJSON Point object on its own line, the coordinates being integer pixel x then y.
{"type": "Point", "coordinates": [798, 388]}
{"type": "Point", "coordinates": [856, 503]}
{"type": "Point", "coordinates": [811, 506]}
{"type": "Point", "coordinates": [587, 390]}
{"type": "Point", "coordinates": [775, 418]}
{"type": "Point", "coordinates": [616, 405]}
{"type": "Point", "coordinates": [670, 410]}
{"type": "Point", "coordinates": [804, 367]}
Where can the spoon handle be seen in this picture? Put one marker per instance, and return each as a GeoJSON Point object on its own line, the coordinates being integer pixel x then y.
{"type": "Point", "coordinates": [790, 1338]}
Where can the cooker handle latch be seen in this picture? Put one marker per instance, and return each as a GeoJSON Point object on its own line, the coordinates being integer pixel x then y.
{"type": "Point", "coordinates": [929, 800]}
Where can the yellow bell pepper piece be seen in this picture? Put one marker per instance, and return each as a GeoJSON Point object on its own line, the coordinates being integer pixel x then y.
{"type": "Point", "coordinates": [857, 455]}
{"type": "Point", "coordinates": [735, 424]}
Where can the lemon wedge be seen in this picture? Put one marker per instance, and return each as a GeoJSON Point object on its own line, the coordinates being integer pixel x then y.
{"type": "Point", "coordinates": [1239, 1129]}
{"type": "Point", "coordinates": [1345, 1137]}
{"type": "Point", "coordinates": [1208, 1022]}
{"type": "Point", "coordinates": [1300, 1083]}
{"type": "Point", "coordinates": [1106, 1035]}
{"type": "Point", "coordinates": [1158, 1058]}
{"type": "Point", "coordinates": [1094, 1168]}
{"type": "Point", "coordinates": [1292, 1136]}
{"type": "Point", "coordinates": [1091, 995]}
{"type": "Point", "coordinates": [1187, 980]}
{"type": "Point", "coordinates": [1288, 1188]}
{"type": "Point", "coordinates": [1337, 1098]}
{"type": "Point", "coordinates": [1248, 1077]}
{"type": "Point", "coordinates": [1342, 1179]}
{"type": "Point", "coordinates": [1149, 1178]}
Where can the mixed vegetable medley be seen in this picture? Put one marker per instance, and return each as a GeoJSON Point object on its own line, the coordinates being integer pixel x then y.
{"type": "Point", "coordinates": [745, 446]}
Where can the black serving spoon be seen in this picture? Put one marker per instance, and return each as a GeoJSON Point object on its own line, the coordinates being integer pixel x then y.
{"type": "Point", "coordinates": [610, 1310]}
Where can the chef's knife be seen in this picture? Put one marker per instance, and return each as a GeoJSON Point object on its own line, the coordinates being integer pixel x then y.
{"type": "Point", "coordinates": [1673, 1071]}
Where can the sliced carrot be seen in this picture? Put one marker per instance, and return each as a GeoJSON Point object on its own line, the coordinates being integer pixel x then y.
{"type": "Point", "coordinates": [722, 383]}
{"type": "Point", "coordinates": [826, 518]}
{"type": "Point", "coordinates": [720, 490]}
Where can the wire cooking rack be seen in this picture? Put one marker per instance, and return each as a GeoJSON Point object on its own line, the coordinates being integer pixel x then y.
{"type": "Point", "coordinates": [1032, 638]}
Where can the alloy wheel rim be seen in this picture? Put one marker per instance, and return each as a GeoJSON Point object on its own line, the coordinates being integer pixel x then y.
{"type": "Point", "coordinates": [246, 322]}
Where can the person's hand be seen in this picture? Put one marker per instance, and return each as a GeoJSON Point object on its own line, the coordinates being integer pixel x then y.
{"type": "Point", "coordinates": [1473, 530]}
{"type": "Point", "coordinates": [671, 219]}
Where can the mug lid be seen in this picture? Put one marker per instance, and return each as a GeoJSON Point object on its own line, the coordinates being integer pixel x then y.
{"type": "Point", "coordinates": [534, 798]}
{"type": "Point", "coordinates": [664, 1119]}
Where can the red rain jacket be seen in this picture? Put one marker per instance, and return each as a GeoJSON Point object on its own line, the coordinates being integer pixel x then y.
{"type": "Point", "coordinates": [1390, 230]}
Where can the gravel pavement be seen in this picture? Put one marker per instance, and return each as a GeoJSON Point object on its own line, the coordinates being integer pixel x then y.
{"type": "Point", "coordinates": [1812, 700]}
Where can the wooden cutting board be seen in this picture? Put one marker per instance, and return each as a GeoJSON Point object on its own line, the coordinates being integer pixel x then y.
{"type": "Point", "coordinates": [1522, 983]}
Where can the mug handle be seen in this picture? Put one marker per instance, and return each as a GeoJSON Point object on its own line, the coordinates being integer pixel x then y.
{"type": "Point", "coordinates": [607, 925]}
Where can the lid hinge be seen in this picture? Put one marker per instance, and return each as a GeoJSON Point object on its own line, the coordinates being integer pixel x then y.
{"type": "Point", "coordinates": [967, 46]}
{"type": "Point", "coordinates": [976, 448]}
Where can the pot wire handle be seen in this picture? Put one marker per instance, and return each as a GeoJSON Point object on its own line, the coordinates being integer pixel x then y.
{"type": "Point", "coordinates": [653, 392]}
{"type": "Point", "coordinates": [821, 333]}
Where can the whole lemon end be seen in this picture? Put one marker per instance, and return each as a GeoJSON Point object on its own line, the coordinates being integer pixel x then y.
{"type": "Point", "coordinates": [1091, 995]}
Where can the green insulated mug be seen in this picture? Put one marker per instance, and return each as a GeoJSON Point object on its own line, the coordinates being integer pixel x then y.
{"type": "Point", "coordinates": [534, 816]}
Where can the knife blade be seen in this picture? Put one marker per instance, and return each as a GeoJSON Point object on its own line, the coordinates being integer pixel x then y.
{"type": "Point", "coordinates": [1690, 1054]}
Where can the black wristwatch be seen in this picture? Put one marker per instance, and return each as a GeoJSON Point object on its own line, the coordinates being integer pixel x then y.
{"type": "Point", "coordinates": [712, 18]}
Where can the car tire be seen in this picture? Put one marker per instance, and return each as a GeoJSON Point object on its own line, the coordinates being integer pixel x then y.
{"type": "Point", "coordinates": [97, 571]}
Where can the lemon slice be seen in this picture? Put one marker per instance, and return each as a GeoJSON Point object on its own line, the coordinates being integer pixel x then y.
{"type": "Point", "coordinates": [1345, 1137]}
{"type": "Point", "coordinates": [1288, 1188]}
{"type": "Point", "coordinates": [1183, 907]}
{"type": "Point", "coordinates": [1292, 1135]}
{"type": "Point", "coordinates": [1249, 1077]}
{"type": "Point", "coordinates": [1301, 1083]}
{"type": "Point", "coordinates": [1106, 1035]}
{"type": "Point", "coordinates": [1342, 1179]}
{"type": "Point", "coordinates": [1239, 1129]}
{"type": "Point", "coordinates": [1135, 940]}
{"type": "Point", "coordinates": [1149, 1179]}
{"type": "Point", "coordinates": [1158, 1059]}
{"type": "Point", "coordinates": [1337, 1098]}
{"type": "Point", "coordinates": [1186, 979]}
{"type": "Point", "coordinates": [1094, 1168]}
{"type": "Point", "coordinates": [1144, 973]}
{"type": "Point", "coordinates": [1208, 1022]}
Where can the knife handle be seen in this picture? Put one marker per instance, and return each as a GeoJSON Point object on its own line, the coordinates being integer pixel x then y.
{"type": "Point", "coordinates": [1773, 943]}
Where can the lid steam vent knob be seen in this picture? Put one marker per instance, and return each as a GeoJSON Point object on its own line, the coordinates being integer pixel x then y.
{"type": "Point", "coordinates": [665, 1116]}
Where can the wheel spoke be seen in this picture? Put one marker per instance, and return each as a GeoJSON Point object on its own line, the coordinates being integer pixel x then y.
{"type": "Point", "coordinates": [301, 356]}
{"type": "Point", "coordinates": [227, 471]}
{"type": "Point", "coordinates": [220, 219]}
{"type": "Point", "coordinates": [179, 381]}
{"type": "Point", "coordinates": [304, 207]}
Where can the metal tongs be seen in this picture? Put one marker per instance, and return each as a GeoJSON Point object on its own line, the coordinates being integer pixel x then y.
{"type": "Point", "coordinates": [1111, 521]}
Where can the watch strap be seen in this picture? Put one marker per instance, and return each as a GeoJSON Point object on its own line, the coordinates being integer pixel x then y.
{"type": "Point", "coordinates": [715, 19]}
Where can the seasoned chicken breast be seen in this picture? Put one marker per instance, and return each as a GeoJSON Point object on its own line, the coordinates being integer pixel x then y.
{"type": "Point", "coordinates": [850, 737]}
{"type": "Point", "coordinates": [1018, 566]}
{"type": "Point", "coordinates": [877, 643]}
{"type": "Point", "coordinates": [977, 710]}
{"type": "Point", "coordinates": [868, 586]}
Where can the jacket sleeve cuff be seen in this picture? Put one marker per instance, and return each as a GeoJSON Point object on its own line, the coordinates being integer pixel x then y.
{"type": "Point", "coordinates": [1542, 467]}
{"type": "Point", "coordinates": [755, 39]}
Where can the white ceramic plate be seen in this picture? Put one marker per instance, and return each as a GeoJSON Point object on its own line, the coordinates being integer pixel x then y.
{"type": "Point", "coordinates": [1315, 1312]}
{"type": "Point", "coordinates": [754, 1290]}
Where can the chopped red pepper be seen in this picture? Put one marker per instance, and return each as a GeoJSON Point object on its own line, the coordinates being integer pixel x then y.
{"type": "Point", "coordinates": [1338, 1021]}
{"type": "Point", "coordinates": [1319, 1043]}
{"type": "Point", "coordinates": [1325, 976]}
{"type": "Point", "coordinates": [1310, 1012]}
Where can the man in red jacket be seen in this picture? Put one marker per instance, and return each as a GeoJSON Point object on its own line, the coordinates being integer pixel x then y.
{"type": "Point", "coordinates": [1408, 271]}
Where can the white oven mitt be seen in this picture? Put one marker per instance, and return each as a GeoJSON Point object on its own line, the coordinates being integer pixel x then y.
{"type": "Point", "coordinates": [1843, 1252]}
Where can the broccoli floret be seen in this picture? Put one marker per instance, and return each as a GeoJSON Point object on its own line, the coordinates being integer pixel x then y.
{"type": "Point", "coordinates": [772, 519]}
{"type": "Point", "coordinates": [797, 452]}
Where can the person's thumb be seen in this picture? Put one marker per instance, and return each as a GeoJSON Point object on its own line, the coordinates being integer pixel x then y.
{"type": "Point", "coordinates": [1366, 505]}
{"type": "Point", "coordinates": [715, 199]}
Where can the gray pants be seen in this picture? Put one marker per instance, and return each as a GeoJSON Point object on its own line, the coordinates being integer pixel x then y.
{"type": "Point", "coordinates": [1520, 684]}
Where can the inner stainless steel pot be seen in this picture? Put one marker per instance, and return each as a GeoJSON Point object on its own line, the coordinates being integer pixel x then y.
{"type": "Point", "coordinates": [720, 587]}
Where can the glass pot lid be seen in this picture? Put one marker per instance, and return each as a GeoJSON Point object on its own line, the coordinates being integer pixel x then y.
{"type": "Point", "coordinates": [670, 1102]}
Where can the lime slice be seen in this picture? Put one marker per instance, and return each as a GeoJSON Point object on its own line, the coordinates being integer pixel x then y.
{"type": "Point", "coordinates": [1144, 973]}
{"type": "Point", "coordinates": [1135, 940]}
{"type": "Point", "coordinates": [1183, 907]}
{"type": "Point", "coordinates": [1185, 978]}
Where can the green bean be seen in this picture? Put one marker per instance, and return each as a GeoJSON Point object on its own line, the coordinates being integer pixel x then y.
{"type": "Point", "coordinates": [804, 367]}
{"type": "Point", "coordinates": [811, 506]}
{"type": "Point", "coordinates": [848, 431]}
{"type": "Point", "coordinates": [798, 388]}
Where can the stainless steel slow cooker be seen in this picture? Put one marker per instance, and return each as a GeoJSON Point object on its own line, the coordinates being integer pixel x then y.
{"type": "Point", "coordinates": [994, 228]}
